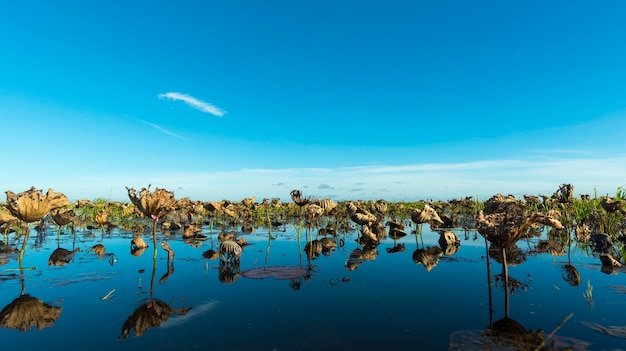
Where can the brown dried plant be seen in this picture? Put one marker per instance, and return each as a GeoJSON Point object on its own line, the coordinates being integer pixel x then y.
{"type": "Point", "coordinates": [32, 205]}
{"type": "Point", "coordinates": [154, 205]}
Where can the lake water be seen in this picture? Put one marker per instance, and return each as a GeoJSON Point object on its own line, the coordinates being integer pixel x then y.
{"type": "Point", "coordinates": [384, 301]}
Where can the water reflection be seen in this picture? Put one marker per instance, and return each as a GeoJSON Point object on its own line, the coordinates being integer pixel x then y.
{"type": "Point", "coordinates": [153, 311]}
{"type": "Point", "coordinates": [26, 312]}
{"type": "Point", "coordinates": [390, 302]}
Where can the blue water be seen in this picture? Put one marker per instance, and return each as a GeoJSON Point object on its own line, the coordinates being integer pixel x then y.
{"type": "Point", "coordinates": [389, 302]}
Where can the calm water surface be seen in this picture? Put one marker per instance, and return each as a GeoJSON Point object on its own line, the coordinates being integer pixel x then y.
{"type": "Point", "coordinates": [387, 302]}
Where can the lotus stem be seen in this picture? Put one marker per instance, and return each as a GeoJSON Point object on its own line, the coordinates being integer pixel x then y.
{"type": "Point", "coordinates": [154, 237]}
{"type": "Point", "coordinates": [23, 249]}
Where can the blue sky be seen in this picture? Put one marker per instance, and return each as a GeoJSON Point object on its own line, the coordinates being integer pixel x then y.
{"type": "Point", "coordinates": [401, 100]}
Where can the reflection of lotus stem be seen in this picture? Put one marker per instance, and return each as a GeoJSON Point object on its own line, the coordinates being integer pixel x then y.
{"type": "Point", "coordinates": [489, 285]}
{"type": "Point", "coordinates": [269, 235]}
{"type": "Point", "coordinates": [505, 272]}
{"type": "Point", "coordinates": [299, 247]}
{"type": "Point", "coordinates": [153, 274]}
{"type": "Point", "coordinates": [543, 343]}
{"type": "Point", "coordinates": [267, 250]}
{"type": "Point", "coordinates": [269, 222]}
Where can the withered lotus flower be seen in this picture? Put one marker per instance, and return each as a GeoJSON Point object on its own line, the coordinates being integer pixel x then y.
{"type": "Point", "coordinates": [102, 217]}
{"type": "Point", "coordinates": [313, 211]}
{"type": "Point", "coordinates": [248, 201]}
{"type": "Point", "coordinates": [427, 215]}
{"type": "Point", "coordinates": [6, 216]}
{"type": "Point", "coordinates": [32, 205]}
{"type": "Point", "coordinates": [155, 204]}
{"type": "Point", "coordinates": [327, 204]}
{"type": "Point", "coordinates": [504, 221]}
{"type": "Point", "coordinates": [62, 216]}
{"type": "Point", "coordinates": [149, 315]}
{"type": "Point", "coordinates": [26, 312]}
{"type": "Point", "coordinates": [298, 198]}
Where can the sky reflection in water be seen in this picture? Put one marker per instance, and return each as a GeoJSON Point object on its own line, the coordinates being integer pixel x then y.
{"type": "Point", "coordinates": [389, 302]}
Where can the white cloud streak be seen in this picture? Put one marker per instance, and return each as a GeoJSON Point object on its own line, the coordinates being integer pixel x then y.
{"type": "Point", "coordinates": [163, 130]}
{"type": "Point", "coordinates": [195, 103]}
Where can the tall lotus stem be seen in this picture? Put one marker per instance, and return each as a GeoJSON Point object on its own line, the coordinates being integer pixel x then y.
{"type": "Point", "coordinates": [155, 219]}
{"type": "Point", "coordinates": [23, 249]}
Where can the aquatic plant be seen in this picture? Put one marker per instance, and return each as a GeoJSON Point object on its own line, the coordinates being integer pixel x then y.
{"type": "Point", "coordinates": [32, 205]}
{"type": "Point", "coordinates": [588, 294]}
{"type": "Point", "coordinates": [153, 205]}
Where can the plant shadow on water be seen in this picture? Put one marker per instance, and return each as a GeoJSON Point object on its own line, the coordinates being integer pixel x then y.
{"type": "Point", "coordinates": [315, 275]}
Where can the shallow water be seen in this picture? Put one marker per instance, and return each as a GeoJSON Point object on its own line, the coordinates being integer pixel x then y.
{"type": "Point", "coordinates": [389, 302]}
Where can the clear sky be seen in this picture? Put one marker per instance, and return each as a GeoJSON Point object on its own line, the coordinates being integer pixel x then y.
{"type": "Point", "coordinates": [348, 99]}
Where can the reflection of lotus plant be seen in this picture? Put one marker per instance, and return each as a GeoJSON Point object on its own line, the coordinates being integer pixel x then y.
{"type": "Point", "coordinates": [26, 312]}
{"type": "Point", "coordinates": [153, 205]}
{"type": "Point", "coordinates": [571, 275]}
{"type": "Point", "coordinates": [61, 256]}
{"type": "Point", "coordinates": [429, 257]}
{"type": "Point", "coordinates": [153, 312]}
{"type": "Point", "coordinates": [149, 315]}
{"type": "Point", "coordinates": [449, 242]}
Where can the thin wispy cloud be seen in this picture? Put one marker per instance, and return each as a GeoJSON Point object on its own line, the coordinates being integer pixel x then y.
{"type": "Point", "coordinates": [195, 103]}
{"type": "Point", "coordinates": [163, 130]}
